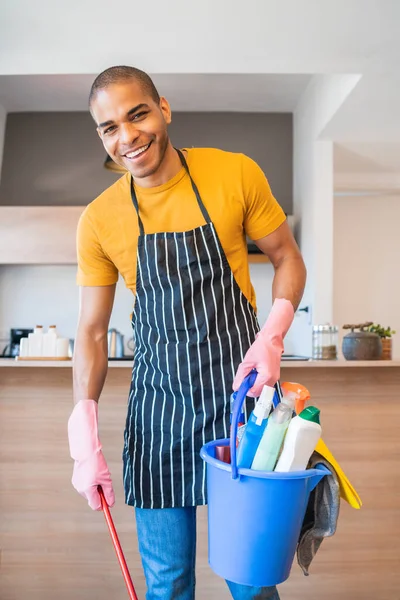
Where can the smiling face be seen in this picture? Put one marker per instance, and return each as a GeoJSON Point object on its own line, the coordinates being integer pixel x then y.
{"type": "Point", "coordinates": [133, 128]}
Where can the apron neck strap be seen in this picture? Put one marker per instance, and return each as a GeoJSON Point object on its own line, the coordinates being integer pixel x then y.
{"type": "Point", "coordinates": [194, 187]}
{"type": "Point", "coordinates": [135, 204]}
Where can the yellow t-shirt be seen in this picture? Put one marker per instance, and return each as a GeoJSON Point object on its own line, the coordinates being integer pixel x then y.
{"type": "Point", "coordinates": [233, 189]}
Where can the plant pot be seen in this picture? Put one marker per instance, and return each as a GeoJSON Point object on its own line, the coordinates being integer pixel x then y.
{"type": "Point", "coordinates": [386, 349]}
{"type": "Point", "coordinates": [362, 345]}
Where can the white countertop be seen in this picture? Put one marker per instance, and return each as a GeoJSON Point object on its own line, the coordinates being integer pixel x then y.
{"type": "Point", "coordinates": [127, 364]}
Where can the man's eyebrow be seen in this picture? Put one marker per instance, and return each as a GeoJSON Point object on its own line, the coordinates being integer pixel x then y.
{"type": "Point", "coordinates": [129, 113]}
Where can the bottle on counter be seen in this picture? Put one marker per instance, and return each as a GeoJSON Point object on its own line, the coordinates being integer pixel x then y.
{"type": "Point", "coordinates": [255, 428]}
{"type": "Point", "coordinates": [62, 348]}
{"type": "Point", "coordinates": [50, 342]}
{"type": "Point", "coordinates": [324, 341]}
{"type": "Point", "coordinates": [24, 347]}
{"type": "Point", "coordinates": [301, 438]}
{"type": "Point", "coordinates": [35, 342]}
{"type": "Point", "coordinates": [271, 442]}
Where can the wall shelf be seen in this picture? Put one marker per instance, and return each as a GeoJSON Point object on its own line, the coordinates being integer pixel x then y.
{"type": "Point", "coordinates": [258, 258]}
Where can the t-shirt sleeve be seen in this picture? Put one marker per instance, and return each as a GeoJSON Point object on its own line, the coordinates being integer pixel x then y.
{"type": "Point", "coordinates": [263, 214]}
{"type": "Point", "coordinates": [94, 266]}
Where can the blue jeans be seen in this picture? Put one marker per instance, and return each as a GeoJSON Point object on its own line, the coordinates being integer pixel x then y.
{"type": "Point", "coordinates": [167, 545]}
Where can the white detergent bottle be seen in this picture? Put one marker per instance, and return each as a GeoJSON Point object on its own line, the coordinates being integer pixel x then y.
{"type": "Point", "coordinates": [301, 438]}
{"type": "Point", "coordinates": [271, 441]}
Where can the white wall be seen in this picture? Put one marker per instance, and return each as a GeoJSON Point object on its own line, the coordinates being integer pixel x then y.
{"type": "Point", "coordinates": [48, 295]}
{"type": "Point", "coordinates": [366, 262]}
{"type": "Point", "coordinates": [368, 167]}
{"type": "Point", "coordinates": [313, 195]}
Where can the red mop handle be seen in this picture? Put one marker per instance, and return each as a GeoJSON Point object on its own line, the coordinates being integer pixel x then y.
{"type": "Point", "coordinates": [117, 547]}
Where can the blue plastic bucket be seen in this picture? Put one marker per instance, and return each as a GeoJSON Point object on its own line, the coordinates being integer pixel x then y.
{"type": "Point", "coordinates": [254, 517]}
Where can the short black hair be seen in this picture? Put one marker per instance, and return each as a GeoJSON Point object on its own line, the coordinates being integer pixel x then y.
{"type": "Point", "coordinates": [120, 74]}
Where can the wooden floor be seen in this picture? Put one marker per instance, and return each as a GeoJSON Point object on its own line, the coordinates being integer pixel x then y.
{"type": "Point", "coordinates": [53, 547]}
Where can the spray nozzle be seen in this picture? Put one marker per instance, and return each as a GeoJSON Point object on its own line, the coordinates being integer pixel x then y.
{"type": "Point", "coordinates": [300, 392]}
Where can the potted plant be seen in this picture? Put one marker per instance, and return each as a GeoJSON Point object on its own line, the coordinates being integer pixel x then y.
{"type": "Point", "coordinates": [385, 333]}
{"type": "Point", "coordinates": [363, 344]}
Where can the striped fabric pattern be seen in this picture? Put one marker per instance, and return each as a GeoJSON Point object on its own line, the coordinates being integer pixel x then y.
{"type": "Point", "coordinates": [192, 327]}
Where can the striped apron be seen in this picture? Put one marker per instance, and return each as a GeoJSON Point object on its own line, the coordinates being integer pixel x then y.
{"type": "Point", "coordinates": [192, 326]}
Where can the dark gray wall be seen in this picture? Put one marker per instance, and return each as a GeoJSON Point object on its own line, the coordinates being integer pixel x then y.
{"type": "Point", "coordinates": [57, 158]}
{"type": "Point", "coordinates": [52, 159]}
{"type": "Point", "coordinates": [265, 137]}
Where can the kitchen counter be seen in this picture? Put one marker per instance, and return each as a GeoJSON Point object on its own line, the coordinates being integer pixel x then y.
{"type": "Point", "coordinates": [292, 364]}
{"type": "Point", "coordinates": [54, 546]}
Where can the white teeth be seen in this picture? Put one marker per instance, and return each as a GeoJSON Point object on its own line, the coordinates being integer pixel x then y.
{"type": "Point", "coordinates": [138, 151]}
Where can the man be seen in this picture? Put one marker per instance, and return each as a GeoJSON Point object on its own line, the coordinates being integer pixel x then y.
{"type": "Point", "coordinates": [175, 228]}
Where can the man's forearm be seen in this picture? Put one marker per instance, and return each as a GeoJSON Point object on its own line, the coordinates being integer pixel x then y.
{"type": "Point", "coordinates": [89, 366]}
{"type": "Point", "coordinates": [290, 279]}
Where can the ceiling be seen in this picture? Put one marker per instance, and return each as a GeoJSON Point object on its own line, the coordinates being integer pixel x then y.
{"type": "Point", "coordinates": [211, 36]}
{"type": "Point", "coordinates": [259, 56]}
{"type": "Point", "coordinates": [371, 112]}
{"type": "Point", "coordinates": [185, 92]}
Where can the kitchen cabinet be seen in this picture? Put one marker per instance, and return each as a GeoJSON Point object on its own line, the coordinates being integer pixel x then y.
{"type": "Point", "coordinates": [46, 235]}
{"type": "Point", "coordinates": [38, 234]}
{"type": "Point", "coordinates": [54, 546]}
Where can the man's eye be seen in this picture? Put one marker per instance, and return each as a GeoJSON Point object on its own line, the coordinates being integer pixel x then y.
{"type": "Point", "coordinates": [109, 129]}
{"type": "Point", "coordinates": [139, 115]}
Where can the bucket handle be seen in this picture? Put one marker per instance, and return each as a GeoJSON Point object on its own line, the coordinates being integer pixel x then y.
{"type": "Point", "coordinates": [245, 386]}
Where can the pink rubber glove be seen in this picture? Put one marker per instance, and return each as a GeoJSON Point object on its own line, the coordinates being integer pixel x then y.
{"type": "Point", "coordinates": [266, 351]}
{"type": "Point", "coordinates": [90, 469]}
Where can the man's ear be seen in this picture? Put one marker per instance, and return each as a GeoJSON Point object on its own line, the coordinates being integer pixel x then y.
{"type": "Point", "coordinates": [166, 110]}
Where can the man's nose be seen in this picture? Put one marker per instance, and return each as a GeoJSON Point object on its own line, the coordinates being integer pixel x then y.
{"type": "Point", "coordinates": [128, 134]}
